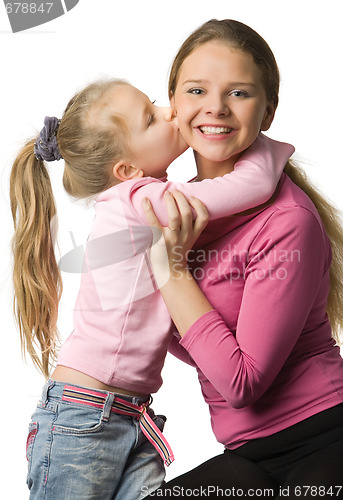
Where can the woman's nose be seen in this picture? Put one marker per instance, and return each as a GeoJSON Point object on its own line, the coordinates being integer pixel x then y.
{"type": "Point", "coordinates": [216, 105]}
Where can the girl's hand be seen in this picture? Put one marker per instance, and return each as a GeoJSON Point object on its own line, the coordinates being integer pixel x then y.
{"type": "Point", "coordinates": [169, 254]}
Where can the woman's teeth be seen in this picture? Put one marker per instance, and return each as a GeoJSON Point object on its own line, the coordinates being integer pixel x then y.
{"type": "Point", "coordinates": [215, 130]}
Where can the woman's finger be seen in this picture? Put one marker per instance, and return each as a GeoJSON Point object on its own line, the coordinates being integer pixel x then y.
{"type": "Point", "coordinates": [174, 217]}
{"type": "Point", "coordinates": [185, 210]}
{"type": "Point", "coordinates": [150, 214]}
{"type": "Point", "coordinates": [201, 215]}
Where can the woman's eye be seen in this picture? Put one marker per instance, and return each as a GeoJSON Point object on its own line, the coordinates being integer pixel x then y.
{"type": "Point", "coordinates": [238, 93]}
{"type": "Point", "coordinates": [195, 91]}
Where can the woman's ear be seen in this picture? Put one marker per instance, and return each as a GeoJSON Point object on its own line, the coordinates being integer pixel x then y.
{"type": "Point", "coordinates": [172, 104]}
{"type": "Point", "coordinates": [123, 170]}
{"type": "Point", "coordinates": [268, 117]}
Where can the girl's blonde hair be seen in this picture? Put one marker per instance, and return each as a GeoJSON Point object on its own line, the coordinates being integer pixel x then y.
{"type": "Point", "coordinates": [89, 147]}
{"type": "Point", "coordinates": [244, 38]}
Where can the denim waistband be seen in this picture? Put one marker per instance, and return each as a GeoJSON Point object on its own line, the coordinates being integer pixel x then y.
{"type": "Point", "coordinates": [129, 406]}
{"type": "Point", "coordinates": [56, 389]}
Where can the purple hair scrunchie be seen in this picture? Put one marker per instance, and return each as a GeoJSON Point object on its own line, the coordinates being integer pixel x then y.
{"type": "Point", "coordinates": [46, 147]}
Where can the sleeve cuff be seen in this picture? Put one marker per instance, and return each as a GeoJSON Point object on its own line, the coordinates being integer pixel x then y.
{"type": "Point", "coordinates": [200, 326]}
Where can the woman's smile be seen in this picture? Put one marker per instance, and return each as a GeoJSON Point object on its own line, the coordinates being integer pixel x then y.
{"type": "Point", "coordinates": [216, 132]}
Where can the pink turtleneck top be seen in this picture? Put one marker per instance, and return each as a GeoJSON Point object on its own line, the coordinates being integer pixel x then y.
{"type": "Point", "coordinates": [265, 355]}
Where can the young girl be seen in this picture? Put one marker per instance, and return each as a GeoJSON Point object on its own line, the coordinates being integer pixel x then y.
{"type": "Point", "coordinates": [94, 434]}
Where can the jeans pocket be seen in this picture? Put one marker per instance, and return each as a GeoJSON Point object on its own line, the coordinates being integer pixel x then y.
{"type": "Point", "coordinates": [31, 437]}
{"type": "Point", "coordinates": [77, 419]}
{"type": "Point", "coordinates": [39, 443]}
{"type": "Point", "coordinates": [33, 429]}
{"type": "Point", "coordinates": [160, 421]}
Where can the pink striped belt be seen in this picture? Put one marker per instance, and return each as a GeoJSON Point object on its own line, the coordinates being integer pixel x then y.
{"type": "Point", "coordinates": [127, 408]}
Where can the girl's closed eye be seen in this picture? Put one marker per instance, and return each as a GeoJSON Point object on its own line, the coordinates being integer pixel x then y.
{"type": "Point", "coordinates": [151, 119]}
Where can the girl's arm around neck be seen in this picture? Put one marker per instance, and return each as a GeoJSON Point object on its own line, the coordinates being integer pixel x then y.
{"type": "Point", "coordinates": [253, 182]}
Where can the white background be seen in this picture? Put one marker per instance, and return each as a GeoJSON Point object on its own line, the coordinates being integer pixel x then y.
{"type": "Point", "coordinates": [43, 67]}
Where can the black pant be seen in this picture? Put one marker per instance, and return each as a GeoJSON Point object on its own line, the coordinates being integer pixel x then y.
{"type": "Point", "coordinates": [303, 461]}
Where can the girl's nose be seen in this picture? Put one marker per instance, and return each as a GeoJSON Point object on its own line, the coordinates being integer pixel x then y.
{"type": "Point", "coordinates": [168, 114]}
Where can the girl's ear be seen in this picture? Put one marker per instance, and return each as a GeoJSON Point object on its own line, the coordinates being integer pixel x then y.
{"type": "Point", "coordinates": [124, 171]}
{"type": "Point", "coordinates": [268, 117]}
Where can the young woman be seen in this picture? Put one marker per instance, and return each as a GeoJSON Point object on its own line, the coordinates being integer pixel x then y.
{"type": "Point", "coordinates": [257, 321]}
{"type": "Point", "coordinates": [94, 434]}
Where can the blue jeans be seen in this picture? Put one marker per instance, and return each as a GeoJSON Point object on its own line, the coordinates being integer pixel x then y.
{"type": "Point", "coordinates": [76, 451]}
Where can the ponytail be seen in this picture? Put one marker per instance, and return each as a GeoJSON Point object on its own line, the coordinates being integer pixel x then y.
{"type": "Point", "coordinates": [36, 276]}
{"type": "Point", "coordinates": [90, 142]}
{"type": "Point", "coordinates": [331, 218]}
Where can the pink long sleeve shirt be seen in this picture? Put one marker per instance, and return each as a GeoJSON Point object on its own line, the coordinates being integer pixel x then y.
{"type": "Point", "coordinates": [265, 356]}
{"type": "Point", "coordinates": [122, 327]}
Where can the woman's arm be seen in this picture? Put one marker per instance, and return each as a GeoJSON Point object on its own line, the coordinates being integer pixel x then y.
{"type": "Point", "coordinates": [252, 183]}
{"type": "Point", "coordinates": [278, 295]}
{"type": "Point", "coordinates": [176, 349]}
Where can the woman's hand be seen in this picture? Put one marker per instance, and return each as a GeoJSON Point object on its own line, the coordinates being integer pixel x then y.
{"type": "Point", "coordinates": [185, 301]}
{"type": "Point", "coordinates": [169, 254]}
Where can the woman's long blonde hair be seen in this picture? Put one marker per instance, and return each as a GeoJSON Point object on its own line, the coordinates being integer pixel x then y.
{"type": "Point", "coordinates": [244, 38]}
{"type": "Point", "coordinates": [332, 220]}
{"type": "Point", "coordinates": [89, 148]}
